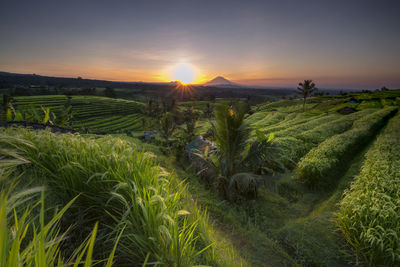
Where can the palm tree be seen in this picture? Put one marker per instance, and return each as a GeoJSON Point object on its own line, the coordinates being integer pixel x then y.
{"type": "Point", "coordinates": [190, 118]}
{"type": "Point", "coordinates": [305, 89]}
{"type": "Point", "coordinates": [208, 111]}
{"type": "Point", "coordinates": [149, 107]}
{"type": "Point", "coordinates": [231, 136]}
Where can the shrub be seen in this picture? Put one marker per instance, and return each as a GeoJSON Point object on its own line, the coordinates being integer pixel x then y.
{"type": "Point", "coordinates": [292, 148]}
{"type": "Point", "coordinates": [370, 211]}
{"type": "Point", "coordinates": [263, 156]}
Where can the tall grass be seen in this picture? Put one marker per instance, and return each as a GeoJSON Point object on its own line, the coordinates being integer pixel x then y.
{"type": "Point", "coordinates": [370, 211]}
{"type": "Point", "coordinates": [26, 241]}
{"type": "Point", "coordinates": [29, 234]}
{"type": "Point", "coordinates": [123, 189]}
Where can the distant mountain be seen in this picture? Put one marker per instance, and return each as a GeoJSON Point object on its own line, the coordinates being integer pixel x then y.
{"type": "Point", "coordinates": [220, 81]}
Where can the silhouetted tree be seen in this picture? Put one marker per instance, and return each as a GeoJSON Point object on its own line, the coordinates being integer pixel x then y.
{"type": "Point", "coordinates": [305, 89]}
{"type": "Point", "coordinates": [248, 105]}
{"type": "Point", "coordinates": [169, 105]}
{"type": "Point", "coordinates": [110, 92]}
{"type": "Point", "coordinates": [190, 121]}
{"type": "Point", "coordinates": [208, 111]}
{"type": "Point", "coordinates": [149, 107]}
{"type": "Point", "coordinates": [318, 93]}
{"type": "Point", "coordinates": [167, 127]}
{"type": "Point", "coordinates": [88, 91]}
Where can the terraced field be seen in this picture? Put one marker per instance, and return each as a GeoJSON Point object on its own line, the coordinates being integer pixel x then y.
{"type": "Point", "coordinates": [343, 176]}
{"type": "Point", "coordinates": [331, 103]}
{"type": "Point", "coordinates": [369, 212]}
{"type": "Point", "coordinates": [92, 114]}
{"type": "Point", "coordinates": [328, 150]}
{"type": "Point", "coordinates": [319, 167]}
{"type": "Point", "coordinates": [297, 133]}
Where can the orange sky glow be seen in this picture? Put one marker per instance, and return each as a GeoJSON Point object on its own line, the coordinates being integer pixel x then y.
{"type": "Point", "coordinates": [349, 45]}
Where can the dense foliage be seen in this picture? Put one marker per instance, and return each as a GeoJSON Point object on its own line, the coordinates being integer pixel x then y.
{"type": "Point", "coordinates": [231, 137]}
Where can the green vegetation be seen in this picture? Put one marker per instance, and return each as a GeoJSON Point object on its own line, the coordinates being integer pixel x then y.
{"type": "Point", "coordinates": [108, 197]}
{"type": "Point", "coordinates": [231, 134]}
{"type": "Point", "coordinates": [167, 127]}
{"type": "Point", "coordinates": [369, 212]}
{"type": "Point", "coordinates": [25, 243]}
{"type": "Point", "coordinates": [305, 136]}
{"type": "Point", "coordinates": [126, 192]}
{"type": "Point", "coordinates": [320, 166]}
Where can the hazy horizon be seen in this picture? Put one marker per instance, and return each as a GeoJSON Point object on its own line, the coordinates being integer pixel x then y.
{"type": "Point", "coordinates": [340, 44]}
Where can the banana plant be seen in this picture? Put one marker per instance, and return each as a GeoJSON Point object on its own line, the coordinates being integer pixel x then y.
{"type": "Point", "coordinates": [5, 112]}
{"type": "Point", "coordinates": [13, 115]}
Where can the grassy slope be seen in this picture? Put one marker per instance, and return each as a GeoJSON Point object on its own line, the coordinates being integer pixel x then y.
{"type": "Point", "coordinates": [313, 237]}
{"type": "Point", "coordinates": [292, 227]}
{"type": "Point", "coordinates": [102, 170]}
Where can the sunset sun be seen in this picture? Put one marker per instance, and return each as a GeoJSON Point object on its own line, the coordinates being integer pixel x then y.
{"type": "Point", "coordinates": [183, 73]}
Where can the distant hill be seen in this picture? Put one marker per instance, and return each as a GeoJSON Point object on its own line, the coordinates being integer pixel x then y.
{"type": "Point", "coordinates": [220, 81]}
{"type": "Point", "coordinates": [31, 84]}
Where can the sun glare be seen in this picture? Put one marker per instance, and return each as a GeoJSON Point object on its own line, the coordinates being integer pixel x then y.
{"type": "Point", "coordinates": [183, 73]}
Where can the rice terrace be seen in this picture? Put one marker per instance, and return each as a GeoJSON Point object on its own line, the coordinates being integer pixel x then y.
{"type": "Point", "coordinates": [128, 147]}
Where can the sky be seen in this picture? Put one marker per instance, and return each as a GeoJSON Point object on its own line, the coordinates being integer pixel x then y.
{"type": "Point", "coordinates": [339, 44]}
